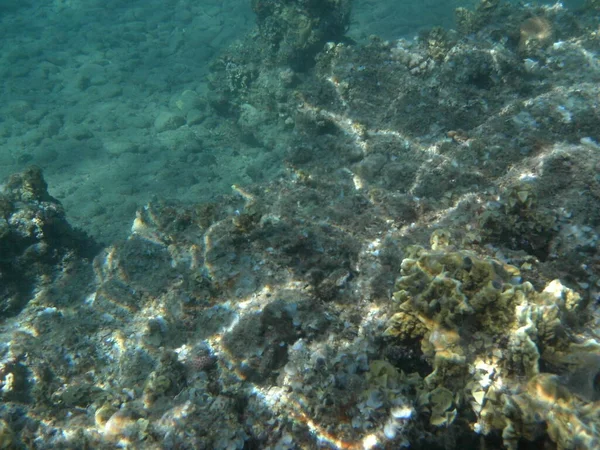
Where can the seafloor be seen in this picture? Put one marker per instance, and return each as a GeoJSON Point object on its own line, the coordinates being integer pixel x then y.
{"type": "Point", "coordinates": [406, 254]}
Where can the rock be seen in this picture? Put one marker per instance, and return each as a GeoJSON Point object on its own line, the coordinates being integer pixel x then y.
{"type": "Point", "coordinates": [195, 117]}
{"type": "Point", "coordinates": [168, 121]}
{"type": "Point", "coordinates": [120, 147]}
{"type": "Point", "coordinates": [188, 100]}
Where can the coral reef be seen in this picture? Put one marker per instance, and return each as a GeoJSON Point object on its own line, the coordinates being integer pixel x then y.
{"type": "Point", "coordinates": [310, 311]}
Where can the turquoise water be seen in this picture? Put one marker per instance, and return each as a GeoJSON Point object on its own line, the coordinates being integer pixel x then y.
{"type": "Point", "coordinates": [85, 81]}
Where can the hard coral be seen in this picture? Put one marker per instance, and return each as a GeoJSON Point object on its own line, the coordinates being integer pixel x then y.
{"type": "Point", "coordinates": [497, 347]}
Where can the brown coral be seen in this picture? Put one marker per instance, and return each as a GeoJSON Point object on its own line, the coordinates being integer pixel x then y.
{"type": "Point", "coordinates": [489, 338]}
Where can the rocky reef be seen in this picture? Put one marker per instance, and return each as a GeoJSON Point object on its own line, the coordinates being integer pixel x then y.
{"type": "Point", "coordinates": [36, 241]}
{"type": "Point", "coordinates": [424, 275]}
{"type": "Point", "coordinates": [294, 32]}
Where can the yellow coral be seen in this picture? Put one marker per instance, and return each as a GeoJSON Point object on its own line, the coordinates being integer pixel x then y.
{"type": "Point", "coordinates": [485, 333]}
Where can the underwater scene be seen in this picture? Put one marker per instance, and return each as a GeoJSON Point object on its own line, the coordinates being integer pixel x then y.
{"type": "Point", "coordinates": [300, 224]}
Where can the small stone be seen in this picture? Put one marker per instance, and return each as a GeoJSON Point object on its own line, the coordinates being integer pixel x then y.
{"type": "Point", "coordinates": [103, 414]}
{"type": "Point", "coordinates": [402, 413]}
{"type": "Point", "coordinates": [168, 121]}
{"type": "Point", "coordinates": [479, 397]}
{"type": "Point", "coordinates": [389, 430]}
{"type": "Point", "coordinates": [123, 424]}
{"type": "Point", "coordinates": [188, 100]}
{"type": "Point", "coordinates": [119, 147]}
{"type": "Point", "coordinates": [195, 117]}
